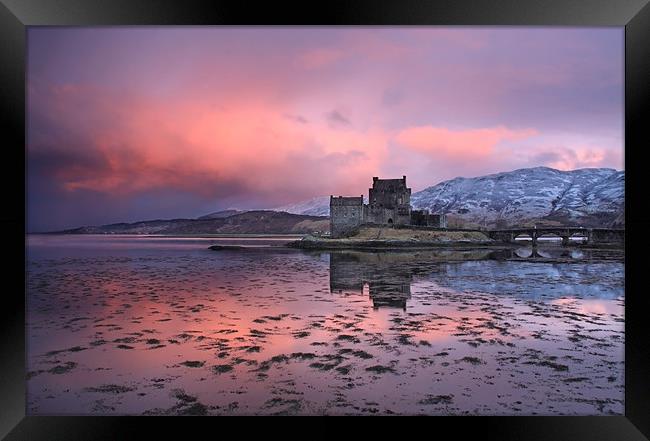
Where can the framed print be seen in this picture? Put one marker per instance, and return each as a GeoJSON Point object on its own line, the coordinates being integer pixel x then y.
{"type": "Point", "coordinates": [423, 209]}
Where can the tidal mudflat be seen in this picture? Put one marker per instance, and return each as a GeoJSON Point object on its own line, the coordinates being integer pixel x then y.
{"type": "Point", "coordinates": [131, 325]}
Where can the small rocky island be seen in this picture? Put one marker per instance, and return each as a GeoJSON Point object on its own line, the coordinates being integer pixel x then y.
{"type": "Point", "coordinates": [381, 237]}
{"type": "Point", "coordinates": [387, 221]}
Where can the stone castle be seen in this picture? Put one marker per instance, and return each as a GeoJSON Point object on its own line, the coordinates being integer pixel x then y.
{"type": "Point", "coordinates": [389, 203]}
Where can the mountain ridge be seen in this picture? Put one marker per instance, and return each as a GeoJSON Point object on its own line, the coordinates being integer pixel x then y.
{"type": "Point", "coordinates": [246, 222]}
{"type": "Point", "coordinates": [588, 196]}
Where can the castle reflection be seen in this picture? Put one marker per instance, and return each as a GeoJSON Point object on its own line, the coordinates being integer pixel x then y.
{"type": "Point", "coordinates": [387, 277]}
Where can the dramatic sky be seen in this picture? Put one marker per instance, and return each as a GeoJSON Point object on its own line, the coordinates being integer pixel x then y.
{"type": "Point", "coordinates": [132, 123]}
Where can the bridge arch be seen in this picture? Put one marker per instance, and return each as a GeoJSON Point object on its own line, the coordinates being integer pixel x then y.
{"type": "Point", "coordinates": [555, 235]}
{"type": "Point", "coordinates": [522, 236]}
{"type": "Point", "coordinates": [583, 234]}
{"type": "Point", "coordinates": [588, 235]}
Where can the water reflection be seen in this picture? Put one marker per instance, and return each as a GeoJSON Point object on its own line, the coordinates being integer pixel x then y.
{"type": "Point", "coordinates": [555, 253]}
{"type": "Point", "coordinates": [387, 282]}
{"type": "Point", "coordinates": [178, 330]}
{"type": "Point", "coordinates": [387, 277]}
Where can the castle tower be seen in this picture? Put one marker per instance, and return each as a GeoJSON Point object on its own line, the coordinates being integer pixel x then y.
{"type": "Point", "coordinates": [389, 202]}
{"type": "Point", "coordinates": [346, 214]}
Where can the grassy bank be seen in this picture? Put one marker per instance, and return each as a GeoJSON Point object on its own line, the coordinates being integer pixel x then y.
{"type": "Point", "coordinates": [384, 237]}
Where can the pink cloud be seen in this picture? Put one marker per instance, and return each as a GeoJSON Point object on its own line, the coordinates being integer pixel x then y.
{"type": "Point", "coordinates": [259, 117]}
{"type": "Point", "coordinates": [578, 156]}
{"type": "Point", "coordinates": [458, 145]}
{"type": "Point", "coordinates": [196, 146]}
{"type": "Point", "coordinates": [247, 143]}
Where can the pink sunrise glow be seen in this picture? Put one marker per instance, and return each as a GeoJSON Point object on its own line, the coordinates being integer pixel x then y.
{"type": "Point", "coordinates": [261, 117]}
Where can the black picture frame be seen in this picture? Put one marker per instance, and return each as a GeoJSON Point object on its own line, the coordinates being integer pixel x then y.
{"type": "Point", "coordinates": [17, 15]}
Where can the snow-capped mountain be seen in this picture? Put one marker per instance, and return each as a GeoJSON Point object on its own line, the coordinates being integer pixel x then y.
{"type": "Point", "coordinates": [592, 196]}
{"type": "Point", "coordinates": [318, 206]}
{"type": "Point", "coordinates": [589, 197]}
{"type": "Point", "coordinates": [221, 214]}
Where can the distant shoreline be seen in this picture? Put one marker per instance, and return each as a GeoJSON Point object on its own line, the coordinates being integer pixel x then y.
{"type": "Point", "coordinates": [381, 238]}
{"type": "Point", "coordinates": [391, 245]}
{"type": "Point", "coordinates": [406, 246]}
{"type": "Point", "coordinates": [295, 241]}
{"type": "Point", "coordinates": [180, 236]}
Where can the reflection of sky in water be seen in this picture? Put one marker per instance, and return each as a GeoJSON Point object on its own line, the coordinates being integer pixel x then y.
{"type": "Point", "coordinates": [524, 252]}
{"type": "Point", "coordinates": [313, 332]}
{"type": "Point", "coordinates": [72, 246]}
{"type": "Point", "coordinates": [477, 272]}
{"type": "Point", "coordinates": [539, 280]}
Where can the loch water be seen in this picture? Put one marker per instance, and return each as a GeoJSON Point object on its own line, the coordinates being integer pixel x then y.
{"type": "Point", "coordinates": [121, 325]}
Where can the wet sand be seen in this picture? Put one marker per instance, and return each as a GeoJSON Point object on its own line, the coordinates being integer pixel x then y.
{"type": "Point", "coordinates": [178, 329]}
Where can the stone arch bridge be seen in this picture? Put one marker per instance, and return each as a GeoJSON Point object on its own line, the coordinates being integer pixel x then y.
{"type": "Point", "coordinates": [593, 236]}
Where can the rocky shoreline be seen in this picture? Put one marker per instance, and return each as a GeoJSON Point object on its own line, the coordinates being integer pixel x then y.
{"type": "Point", "coordinates": [381, 244]}
{"type": "Point", "coordinates": [383, 238]}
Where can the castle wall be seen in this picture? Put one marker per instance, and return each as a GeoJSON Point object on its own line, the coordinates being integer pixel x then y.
{"type": "Point", "coordinates": [402, 215]}
{"type": "Point", "coordinates": [419, 217]}
{"type": "Point", "coordinates": [438, 220]}
{"type": "Point", "coordinates": [375, 215]}
{"type": "Point", "coordinates": [389, 204]}
{"type": "Point", "coordinates": [346, 214]}
{"type": "Point", "coordinates": [424, 219]}
{"type": "Point", "coordinates": [389, 193]}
